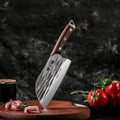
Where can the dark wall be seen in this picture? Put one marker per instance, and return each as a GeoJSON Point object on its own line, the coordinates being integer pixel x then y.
{"type": "Point", "coordinates": [30, 28]}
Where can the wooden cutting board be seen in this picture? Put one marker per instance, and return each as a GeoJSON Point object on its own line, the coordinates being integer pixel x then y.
{"type": "Point", "coordinates": [56, 110]}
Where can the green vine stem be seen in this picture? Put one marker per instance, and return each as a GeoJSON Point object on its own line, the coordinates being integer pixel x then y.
{"type": "Point", "coordinates": [79, 92]}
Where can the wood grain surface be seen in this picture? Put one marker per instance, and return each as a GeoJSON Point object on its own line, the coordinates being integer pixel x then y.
{"type": "Point", "coordinates": [55, 110]}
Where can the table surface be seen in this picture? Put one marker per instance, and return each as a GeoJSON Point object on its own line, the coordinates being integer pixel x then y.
{"type": "Point", "coordinates": [100, 117]}
{"type": "Point", "coordinates": [97, 117]}
{"type": "Point", "coordinates": [107, 114]}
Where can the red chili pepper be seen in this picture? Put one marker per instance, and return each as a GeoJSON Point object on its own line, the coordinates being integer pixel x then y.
{"type": "Point", "coordinates": [118, 92]}
{"type": "Point", "coordinates": [113, 91]}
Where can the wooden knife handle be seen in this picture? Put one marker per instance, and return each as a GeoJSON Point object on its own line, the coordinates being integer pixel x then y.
{"type": "Point", "coordinates": [63, 37]}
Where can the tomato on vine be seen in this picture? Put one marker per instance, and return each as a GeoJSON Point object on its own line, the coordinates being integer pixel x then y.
{"type": "Point", "coordinates": [98, 98]}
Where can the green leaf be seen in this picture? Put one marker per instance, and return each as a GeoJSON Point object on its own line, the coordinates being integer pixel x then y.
{"type": "Point", "coordinates": [25, 105]}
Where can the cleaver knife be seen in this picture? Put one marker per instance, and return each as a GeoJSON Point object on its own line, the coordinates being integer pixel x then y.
{"type": "Point", "coordinates": [55, 69]}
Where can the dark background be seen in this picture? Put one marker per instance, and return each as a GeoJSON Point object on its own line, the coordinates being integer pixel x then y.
{"type": "Point", "coordinates": [30, 28]}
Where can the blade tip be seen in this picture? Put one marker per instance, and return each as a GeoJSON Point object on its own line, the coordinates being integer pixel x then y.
{"type": "Point", "coordinates": [42, 104]}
